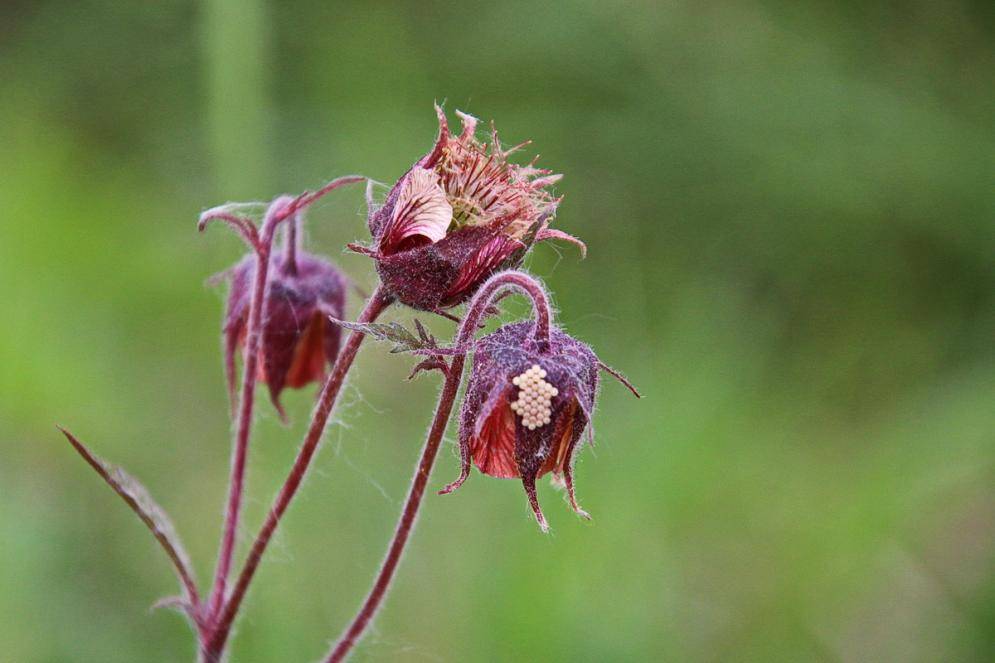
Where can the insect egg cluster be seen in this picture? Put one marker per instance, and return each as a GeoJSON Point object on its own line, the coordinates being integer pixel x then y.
{"type": "Point", "coordinates": [534, 397]}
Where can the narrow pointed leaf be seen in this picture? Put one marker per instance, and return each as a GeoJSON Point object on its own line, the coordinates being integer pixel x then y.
{"type": "Point", "coordinates": [138, 499]}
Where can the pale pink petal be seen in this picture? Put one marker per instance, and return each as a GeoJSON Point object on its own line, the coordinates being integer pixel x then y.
{"type": "Point", "coordinates": [543, 182]}
{"type": "Point", "coordinates": [421, 210]}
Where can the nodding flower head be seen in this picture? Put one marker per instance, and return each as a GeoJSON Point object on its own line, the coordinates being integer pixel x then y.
{"type": "Point", "coordinates": [526, 407]}
{"type": "Point", "coordinates": [298, 340]}
{"type": "Point", "coordinates": [462, 212]}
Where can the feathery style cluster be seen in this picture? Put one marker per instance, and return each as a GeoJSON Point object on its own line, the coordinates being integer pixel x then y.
{"type": "Point", "coordinates": [534, 397]}
{"type": "Point", "coordinates": [462, 212]}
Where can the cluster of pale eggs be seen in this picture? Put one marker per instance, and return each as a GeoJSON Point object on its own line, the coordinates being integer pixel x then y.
{"type": "Point", "coordinates": [534, 397]}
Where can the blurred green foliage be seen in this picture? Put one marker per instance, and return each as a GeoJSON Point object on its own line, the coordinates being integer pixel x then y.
{"type": "Point", "coordinates": [789, 208]}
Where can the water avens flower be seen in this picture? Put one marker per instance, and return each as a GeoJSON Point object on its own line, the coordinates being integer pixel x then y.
{"type": "Point", "coordinates": [298, 340]}
{"type": "Point", "coordinates": [462, 212]}
{"type": "Point", "coordinates": [526, 406]}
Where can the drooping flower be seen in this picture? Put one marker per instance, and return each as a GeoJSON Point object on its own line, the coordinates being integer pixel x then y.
{"type": "Point", "coordinates": [462, 212]}
{"type": "Point", "coordinates": [298, 340]}
{"type": "Point", "coordinates": [526, 408]}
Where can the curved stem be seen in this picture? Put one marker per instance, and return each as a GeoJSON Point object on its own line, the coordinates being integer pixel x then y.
{"type": "Point", "coordinates": [307, 199]}
{"type": "Point", "coordinates": [454, 374]}
{"type": "Point", "coordinates": [491, 288]}
{"type": "Point", "coordinates": [241, 225]}
{"type": "Point", "coordinates": [378, 301]}
{"type": "Point", "coordinates": [240, 449]}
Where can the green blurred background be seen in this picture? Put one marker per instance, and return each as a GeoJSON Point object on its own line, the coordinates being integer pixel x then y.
{"type": "Point", "coordinates": [789, 208]}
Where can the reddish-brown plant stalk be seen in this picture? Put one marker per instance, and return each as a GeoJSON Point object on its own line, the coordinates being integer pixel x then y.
{"type": "Point", "coordinates": [261, 242]}
{"type": "Point", "coordinates": [214, 646]}
{"type": "Point", "coordinates": [240, 449]}
{"type": "Point", "coordinates": [454, 373]}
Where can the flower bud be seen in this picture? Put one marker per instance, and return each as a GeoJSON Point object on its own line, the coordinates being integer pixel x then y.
{"type": "Point", "coordinates": [526, 407]}
{"type": "Point", "coordinates": [298, 340]}
{"type": "Point", "coordinates": [459, 214]}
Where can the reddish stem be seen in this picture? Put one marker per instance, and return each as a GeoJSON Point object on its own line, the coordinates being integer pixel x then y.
{"type": "Point", "coordinates": [240, 224]}
{"type": "Point", "coordinates": [454, 374]}
{"type": "Point", "coordinates": [492, 289]}
{"type": "Point", "coordinates": [240, 449]}
{"type": "Point", "coordinates": [290, 245]}
{"type": "Point", "coordinates": [404, 526]}
{"type": "Point", "coordinates": [307, 199]}
{"type": "Point", "coordinates": [326, 402]}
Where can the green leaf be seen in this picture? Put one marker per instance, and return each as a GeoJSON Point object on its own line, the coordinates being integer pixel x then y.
{"type": "Point", "coordinates": [392, 332]}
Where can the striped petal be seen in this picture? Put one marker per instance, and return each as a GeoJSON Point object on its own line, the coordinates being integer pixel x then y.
{"type": "Point", "coordinates": [421, 211]}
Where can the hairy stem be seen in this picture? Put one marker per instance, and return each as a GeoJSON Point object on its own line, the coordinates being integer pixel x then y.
{"type": "Point", "coordinates": [404, 526]}
{"type": "Point", "coordinates": [291, 240]}
{"type": "Point", "coordinates": [492, 289]}
{"type": "Point", "coordinates": [243, 431]}
{"type": "Point", "coordinates": [377, 303]}
{"type": "Point", "coordinates": [240, 449]}
{"type": "Point", "coordinates": [454, 373]}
